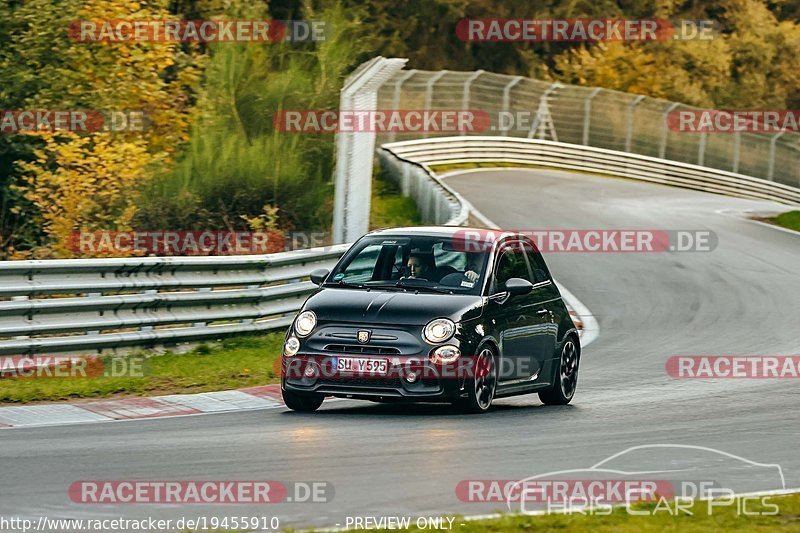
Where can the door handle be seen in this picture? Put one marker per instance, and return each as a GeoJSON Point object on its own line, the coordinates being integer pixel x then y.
{"type": "Point", "coordinates": [542, 311]}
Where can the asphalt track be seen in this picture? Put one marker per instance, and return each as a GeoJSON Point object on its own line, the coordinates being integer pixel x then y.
{"type": "Point", "coordinates": [742, 298]}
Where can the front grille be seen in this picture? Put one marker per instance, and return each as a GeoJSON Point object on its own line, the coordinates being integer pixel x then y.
{"type": "Point", "coordinates": [352, 348]}
{"type": "Point", "coordinates": [373, 382]}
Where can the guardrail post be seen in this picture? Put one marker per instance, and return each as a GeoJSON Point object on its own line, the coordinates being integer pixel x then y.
{"type": "Point", "coordinates": [737, 143]}
{"type": "Point", "coordinates": [771, 168]}
{"type": "Point", "coordinates": [629, 133]}
{"type": "Point", "coordinates": [662, 148]}
{"type": "Point", "coordinates": [587, 113]}
{"type": "Point", "coordinates": [429, 94]}
{"type": "Point", "coordinates": [507, 97]}
{"type": "Point", "coordinates": [465, 94]}
{"type": "Point", "coordinates": [396, 98]}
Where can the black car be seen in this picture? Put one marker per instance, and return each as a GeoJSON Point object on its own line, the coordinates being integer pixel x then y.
{"type": "Point", "coordinates": [441, 314]}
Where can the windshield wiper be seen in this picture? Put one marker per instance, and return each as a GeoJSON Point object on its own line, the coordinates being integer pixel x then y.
{"type": "Point", "coordinates": [402, 283]}
{"type": "Point", "coordinates": [390, 286]}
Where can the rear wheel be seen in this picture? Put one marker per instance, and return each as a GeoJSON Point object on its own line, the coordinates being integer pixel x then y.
{"type": "Point", "coordinates": [566, 379]}
{"type": "Point", "coordinates": [305, 402]}
{"type": "Point", "coordinates": [481, 387]}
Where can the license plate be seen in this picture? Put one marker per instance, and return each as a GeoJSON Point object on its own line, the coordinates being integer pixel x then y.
{"type": "Point", "coordinates": [361, 365]}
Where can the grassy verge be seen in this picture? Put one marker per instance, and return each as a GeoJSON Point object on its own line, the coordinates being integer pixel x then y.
{"type": "Point", "coordinates": [789, 220]}
{"type": "Point", "coordinates": [230, 364]}
{"type": "Point", "coordinates": [390, 208]}
{"type": "Point", "coordinates": [721, 519]}
{"type": "Point", "coordinates": [466, 166]}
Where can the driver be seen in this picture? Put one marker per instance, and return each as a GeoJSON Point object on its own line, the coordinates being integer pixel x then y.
{"type": "Point", "coordinates": [419, 266]}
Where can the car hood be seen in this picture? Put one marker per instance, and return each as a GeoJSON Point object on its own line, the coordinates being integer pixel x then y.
{"type": "Point", "coordinates": [391, 307]}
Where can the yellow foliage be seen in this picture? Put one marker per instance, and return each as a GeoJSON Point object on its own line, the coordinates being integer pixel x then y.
{"type": "Point", "coordinates": [84, 183]}
{"type": "Point", "coordinates": [89, 181]}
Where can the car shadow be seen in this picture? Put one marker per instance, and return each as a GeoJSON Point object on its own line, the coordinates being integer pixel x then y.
{"type": "Point", "coordinates": [400, 409]}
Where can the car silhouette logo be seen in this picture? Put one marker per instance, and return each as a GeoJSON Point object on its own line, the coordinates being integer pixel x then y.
{"type": "Point", "coordinates": [363, 337]}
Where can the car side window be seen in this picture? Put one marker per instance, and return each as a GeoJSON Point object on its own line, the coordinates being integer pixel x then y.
{"type": "Point", "coordinates": [511, 264]}
{"type": "Point", "coordinates": [540, 272]}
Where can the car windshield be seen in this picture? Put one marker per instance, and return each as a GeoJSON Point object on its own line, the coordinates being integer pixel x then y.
{"type": "Point", "coordinates": [424, 263]}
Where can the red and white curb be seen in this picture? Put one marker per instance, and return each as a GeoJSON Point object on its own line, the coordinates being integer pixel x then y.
{"type": "Point", "coordinates": [263, 397]}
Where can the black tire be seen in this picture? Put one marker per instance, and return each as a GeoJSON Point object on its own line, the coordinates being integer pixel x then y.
{"type": "Point", "coordinates": [304, 402]}
{"type": "Point", "coordinates": [565, 380]}
{"type": "Point", "coordinates": [482, 387]}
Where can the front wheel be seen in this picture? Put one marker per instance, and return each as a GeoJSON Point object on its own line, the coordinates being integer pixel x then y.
{"type": "Point", "coordinates": [481, 387]}
{"type": "Point", "coordinates": [304, 402]}
{"type": "Point", "coordinates": [566, 379]}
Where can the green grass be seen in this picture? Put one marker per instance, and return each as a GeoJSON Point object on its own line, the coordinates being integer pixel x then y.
{"type": "Point", "coordinates": [722, 519]}
{"type": "Point", "coordinates": [230, 364]}
{"type": "Point", "coordinates": [790, 220]}
{"type": "Point", "coordinates": [390, 208]}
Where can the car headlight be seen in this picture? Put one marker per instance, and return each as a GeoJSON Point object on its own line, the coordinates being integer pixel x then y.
{"type": "Point", "coordinates": [291, 346]}
{"type": "Point", "coordinates": [445, 354]}
{"type": "Point", "coordinates": [305, 322]}
{"type": "Point", "coordinates": [439, 330]}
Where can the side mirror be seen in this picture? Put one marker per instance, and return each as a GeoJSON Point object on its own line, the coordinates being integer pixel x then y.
{"type": "Point", "coordinates": [319, 275]}
{"type": "Point", "coordinates": [518, 286]}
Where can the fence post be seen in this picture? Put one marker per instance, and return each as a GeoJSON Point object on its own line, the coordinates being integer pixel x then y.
{"type": "Point", "coordinates": [465, 94]}
{"type": "Point", "coordinates": [355, 150]}
{"type": "Point", "coordinates": [396, 99]}
{"type": "Point", "coordinates": [662, 149]}
{"type": "Point", "coordinates": [507, 99]}
{"type": "Point", "coordinates": [587, 112]}
{"type": "Point", "coordinates": [429, 94]}
{"type": "Point", "coordinates": [543, 120]}
{"type": "Point", "coordinates": [701, 149]}
{"type": "Point", "coordinates": [629, 133]}
{"type": "Point", "coordinates": [771, 168]}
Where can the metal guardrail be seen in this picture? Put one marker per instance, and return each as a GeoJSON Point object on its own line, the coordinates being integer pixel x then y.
{"type": "Point", "coordinates": [82, 305]}
{"type": "Point", "coordinates": [427, 153]}
{"type": "Point", "coordinates": [436, 202]}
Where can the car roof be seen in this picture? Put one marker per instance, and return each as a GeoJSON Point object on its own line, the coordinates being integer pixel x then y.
{"type": "Point", "coordinates": [486, 234]}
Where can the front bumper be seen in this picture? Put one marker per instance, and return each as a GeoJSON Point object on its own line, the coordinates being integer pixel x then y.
{"type": "Point", "coordinates": [430, 382]}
